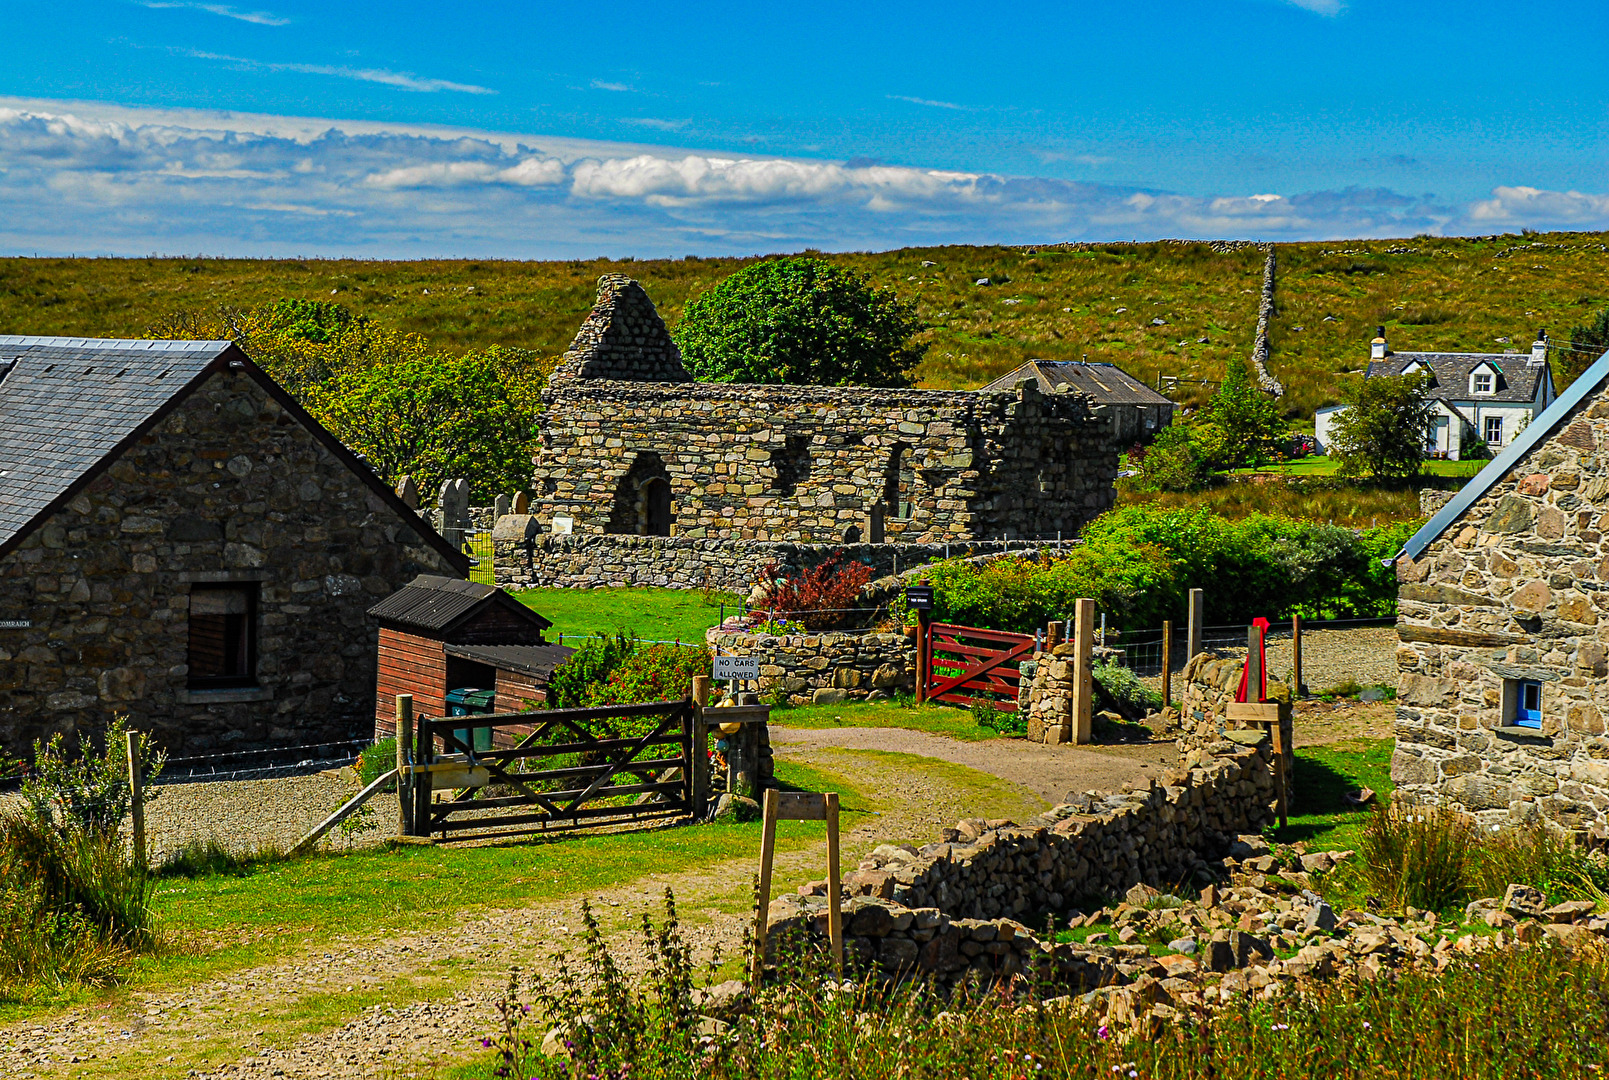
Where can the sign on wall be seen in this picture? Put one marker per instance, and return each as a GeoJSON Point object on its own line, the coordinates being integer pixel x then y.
{"type": "Point", "coordinates": [737, 667]}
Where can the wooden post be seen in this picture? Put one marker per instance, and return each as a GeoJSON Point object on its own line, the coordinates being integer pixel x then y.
{"type": "Point", "coordinates": [1255, 686]}
{"type": "Point", "coordinates": [136, 798]}
{"type": "Point", "coordinates": [423, 754]}
{"type": "Point", "coordinates": [1282, 778]}
{"type": "Point", "coordinates": [923, 660]}
{"type": "Point", "coordinates": [1052, 634]}
{"type": "Point", "coordinates": [1167, 664]}
{"type": "Point", "coordinates": [835, 917]}
{"type": "Point", "coordinates": [700, 762]}
{"type": "Point", "coordinates": [1296, 657]}
{"type": "Point", "coordinates": [404, 736]}
{"type": "Point", "coordinates": [1198, 605]}
{"type": "Point", "coordinates": [768, 850]}
{"type": "Point", "coordinates": [1083, 676]}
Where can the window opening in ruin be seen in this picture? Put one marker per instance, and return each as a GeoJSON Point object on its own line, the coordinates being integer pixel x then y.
{"type": "Point", "coordinates": [790, 465]}
{"type": "Point", "coordinates": [899, 484]}
{"type": "Point", "coordinates": [1527, 695]}
{"type": "Point", "coordinates": [642, 504]}
{"type": "Point", "coordinates": [223, 636]}
{"type": "Point", "coordinates": [852, 534]}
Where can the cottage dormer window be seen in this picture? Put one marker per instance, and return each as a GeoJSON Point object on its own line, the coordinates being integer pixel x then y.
{"type": "Point", "coordinates": [1482, 384]}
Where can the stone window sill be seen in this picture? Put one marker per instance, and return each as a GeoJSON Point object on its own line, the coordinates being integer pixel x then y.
{"type": "Point", "coordinates": [225, 696]}
{"type": "Point", "coordinates": [1512, 731]}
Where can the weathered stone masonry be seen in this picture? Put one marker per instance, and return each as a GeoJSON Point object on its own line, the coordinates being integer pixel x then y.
{"type": "Point", "coordinates": [227, 487]}
{"type": "Point", "coordinates": [1515, 590]}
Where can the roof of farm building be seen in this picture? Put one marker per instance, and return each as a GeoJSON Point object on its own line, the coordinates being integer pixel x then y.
{"type": "Point", "coordinates": [1516, 382]}
{"type": "Point", "coordinates": [537, 660]}
{"type": "Point", "coordinates": [1106, 383]}
{"type": "Point", "coordinates": [436, 603]}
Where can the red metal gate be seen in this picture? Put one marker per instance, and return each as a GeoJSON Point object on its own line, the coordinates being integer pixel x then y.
{"type": "Point", "coordinates": [965, 664]}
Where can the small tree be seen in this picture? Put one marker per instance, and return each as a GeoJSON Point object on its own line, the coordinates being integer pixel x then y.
{"type": "Point", "coordinates": [89, 792]}
{"type": "Point", "coordinates": [801, 321]}
{"type": "Point", "coordinates": [1385, 427]}
{"type": "Point", "coordinates": [1586, 344]}
{"type": "Point", "coordinates": [1178, 459]}
{"type": "Point", "coordinates": [1248, 418]}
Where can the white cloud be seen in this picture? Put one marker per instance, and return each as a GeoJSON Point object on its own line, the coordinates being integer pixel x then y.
{"type": "Point", "coordinates": [87, 177]}
{"type": "Point", "coordinates": [261, 18]}
{"type": "Point", "coordinates": [402, 80]}
{"type": "Point", "coordinates": [655, 122]}
{"type": "Point", "coordinates": [618, 88]}
{"type": "Point", "coordinates": [928, 102]}
{"type": "Point", "coordinates": [1320, 7]}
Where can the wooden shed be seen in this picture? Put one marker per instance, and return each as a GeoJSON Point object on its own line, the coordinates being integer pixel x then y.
{"type": "Point", "coordinates": [441, 635]}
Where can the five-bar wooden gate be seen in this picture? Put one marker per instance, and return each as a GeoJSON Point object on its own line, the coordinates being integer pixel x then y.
{"type": "Point", "coordinates": [965, 665]}
{"type": "Point", "coordinates": [658, 772]}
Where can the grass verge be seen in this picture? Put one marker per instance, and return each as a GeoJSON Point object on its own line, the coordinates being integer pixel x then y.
{"type": "Point", "coordinates": [1324, 775]}
{"type": "Point", "coordinates": [934, 719]}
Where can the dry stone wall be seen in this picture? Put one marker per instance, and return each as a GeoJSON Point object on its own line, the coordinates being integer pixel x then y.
{"type": "Point", "coordinates": [1211, 683]}
{"type": "Point", "coordinates": [1516, 590]}
{"type": "Point", "coordinates": [825, 668]}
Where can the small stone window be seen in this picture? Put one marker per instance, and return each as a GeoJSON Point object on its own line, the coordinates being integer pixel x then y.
{"type": "Point", "coordinates": [1522, 703]}
{"type": "Point", "coordinates": [790, 464]}
{"type": "Point", "coordinates": [899, 483]}
{"type": "Point", "coordinates": [223, 636]}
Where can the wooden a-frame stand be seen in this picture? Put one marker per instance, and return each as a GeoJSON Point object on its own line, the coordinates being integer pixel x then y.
{"type": "Point", "coordinates": [799, 806]}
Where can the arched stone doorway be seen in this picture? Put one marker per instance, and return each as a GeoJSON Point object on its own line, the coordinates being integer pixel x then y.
{"type": "Point", "coordinates": [642, 502]}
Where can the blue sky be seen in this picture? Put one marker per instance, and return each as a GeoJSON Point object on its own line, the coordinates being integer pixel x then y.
{"type": "Point", "coordinates": [538, 130]}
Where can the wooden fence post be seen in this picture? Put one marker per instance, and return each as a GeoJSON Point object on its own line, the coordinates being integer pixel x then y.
{"type": "Point", "coordinates": [404, 736]}
{"type": "Point", "coordinates": [924, 657]}
{"type": "Point", "coordinates": [1052, 634]}
{"type": "Point", "coordinates": [1256, 684]}
{"type": "Point", "coordinates": [1167, 664]}
{"type": "Point", "coordinates": [1083, 676]}
{"type": "Point", "coordinates": [835, 917]}
{"type": "Point", "coordinates": [423, 754]}
{"type": "Point", "coordinates": [136, 798]}
{"type": "Point", "coordinates": [699, 757]}
{"type": "Point", "coordinates": [768, 850]}
{"type": "Point", "coordinates": [1198, 604]}
{"type": "Point", "coordinates": [1296, 656]}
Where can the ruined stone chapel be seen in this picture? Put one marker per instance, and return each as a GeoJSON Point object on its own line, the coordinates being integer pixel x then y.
{"type": "Point", "coordinates": [643, 470]}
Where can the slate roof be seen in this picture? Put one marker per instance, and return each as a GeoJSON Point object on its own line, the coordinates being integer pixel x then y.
{"type": "Point", "coordinates": [68, 403]}
{"type": "Point", "coordinates": [1106, 383]}
{"type": "Point", "coordinates": [1517, 382]}
{"type": "Point", "coordinates": [537, 660]}
{"type": "Point", "coordinates": [437, 604]}
{"type": "Point", "coordinates": [69, 406]}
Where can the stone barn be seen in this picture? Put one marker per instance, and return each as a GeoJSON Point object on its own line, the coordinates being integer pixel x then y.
{"type": "Point", "coordinates": [645, 470]}
{"type": "Point", "coordinates": [182, 543]}
{"type": "Point", "coordinates": [1504, 630]}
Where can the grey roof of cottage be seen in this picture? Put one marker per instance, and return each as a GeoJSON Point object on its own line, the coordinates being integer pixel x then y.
{"type": "Point", "coordinates": [1588, 382]}
{"type": "Point", "coordinates": [537, 660]}
{"type": "Point", "coordinates": [66, 404]}
{"type": "Point", "coordinates": [429, 602]}
{"type": "Point", "coordinates": [1106, 383]}
{"type": "Point", "coordinates": [1517, 382]}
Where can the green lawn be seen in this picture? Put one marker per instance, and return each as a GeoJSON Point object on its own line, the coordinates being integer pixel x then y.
{"type": "Point", "coordinates": [1323, 775]}
{"type": "Point", "coordinates": [1319, 465]}
{"type": "Point", "coordinates": [954, 722]}
{"type": "Point", "coordinates": [652, 614]}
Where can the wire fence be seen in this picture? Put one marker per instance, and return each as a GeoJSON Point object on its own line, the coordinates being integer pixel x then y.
{"type": "Point", "coordinates": [1141, 650]}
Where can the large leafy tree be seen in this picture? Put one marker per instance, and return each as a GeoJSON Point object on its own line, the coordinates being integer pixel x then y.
{"type": "Point", "coordinates": [800, 320]}
{"type": "Point", "coordinates": [1247, 418]}
{"type": "Point", "coordinates": [1385, 427]}
{"type": "Point", "coordinates": [1585, 345]}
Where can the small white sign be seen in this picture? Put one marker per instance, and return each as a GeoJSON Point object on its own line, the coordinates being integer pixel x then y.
{"type": "Point", "coordinates": [737, 667]}
{"type": "Point", "coordinates": [15, 624]}
{"type": "Point", "coordinates": [562, 524]}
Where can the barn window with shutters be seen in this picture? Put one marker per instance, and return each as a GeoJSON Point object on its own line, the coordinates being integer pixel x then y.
{"type": "Point", "coordinates": [223, 636]}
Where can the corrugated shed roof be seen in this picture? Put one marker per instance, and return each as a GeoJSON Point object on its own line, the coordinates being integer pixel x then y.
{"type": "Point", "coordinates": [537, 660]}
{"type": "Point", "coordinates": [67, 403]}
{"type": "Point", "coordinates": [1517, 379]}
{"type": "Point", "coordinates": [1106, 383]}
{"type": "Point", "coordinates": [429, 602]}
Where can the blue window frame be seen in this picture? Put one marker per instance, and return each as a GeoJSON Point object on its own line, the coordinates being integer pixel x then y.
{"type": "Point", "coordinates": [1528, 704]}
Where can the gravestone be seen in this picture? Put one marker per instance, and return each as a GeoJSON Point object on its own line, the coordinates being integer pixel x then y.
{"type": "Point", "coordinates": [501, 506]}
{"type": "Point", "coordinates": [522, 503]}
{"type": "Point", "coordinates": [454, 503]}
{"type": "Point", "coordinates": [408, 493]}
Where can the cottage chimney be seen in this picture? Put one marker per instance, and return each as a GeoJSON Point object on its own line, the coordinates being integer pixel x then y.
{"type": "Point", "coordinates": [1378, 349]}
{"type": "Point", "coordinates": [1539, 348]}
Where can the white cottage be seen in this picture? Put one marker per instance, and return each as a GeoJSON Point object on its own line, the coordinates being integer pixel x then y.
{"type": "Point", "coordinates": [1489, 397]}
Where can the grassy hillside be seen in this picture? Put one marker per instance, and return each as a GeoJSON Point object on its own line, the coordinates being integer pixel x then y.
{"type": "Point", "coordinates": [1059, 303]}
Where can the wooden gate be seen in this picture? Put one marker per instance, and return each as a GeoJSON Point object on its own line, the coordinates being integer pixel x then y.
{"type": "Point", "coordinates": [583, 778]}
{"type": "Point", "coordinates": [965, 664]}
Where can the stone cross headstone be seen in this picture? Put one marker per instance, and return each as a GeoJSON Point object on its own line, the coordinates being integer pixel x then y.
{"type": "Point", "coordinates": [501, 507]}
{"type": "Point", "coordinates": [408, 493]}
{"type": "Point", "coordinates": [522, 503]}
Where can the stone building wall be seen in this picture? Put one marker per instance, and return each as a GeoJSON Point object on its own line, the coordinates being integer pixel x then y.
{"type": "Point", "coordinates": [828, 667]}
{"type": "Point", "coordinates": [1516, 589]}
{"type": "Point", "coordinates": [524, 556]}
{"type": "Point", "coordinates": [228, 487]}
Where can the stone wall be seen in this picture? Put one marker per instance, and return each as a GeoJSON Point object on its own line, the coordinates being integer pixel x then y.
{"type": "Point", "coordinates": [228, 488]}
{"type": "Point", "coordinates": [1516, 589]}
{"type": "Point", "coordinates": [947, 905]}
{"type": "Point", "coordinates": [525, 557]}
{"type": "Point", "coordinates": [828, 667]}
{"type": "Point", "coordinates": [622, 338]}
{"type": "Point", "coordinates": [1211, 682]}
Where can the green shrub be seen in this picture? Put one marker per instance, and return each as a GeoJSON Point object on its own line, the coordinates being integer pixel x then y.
{"type": "Point", "coordinates": [985, 715]}
{"type": "Point", "coordinates": [1179, 459]}
{"type": "Point", "coordinates": [590, 665]}
{"type": "Point", "coordinates": [1126, 688]}
{"type": "Point", "coordinates": [89, 791]}
{"type": "Point", "coordinates": [376, 760]}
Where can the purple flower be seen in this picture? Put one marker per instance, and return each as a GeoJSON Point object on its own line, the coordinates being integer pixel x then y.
{"type": "Point", "coordinates": [1103, 1032]}
{"type": "Point", "coordinates": [486, 1042]}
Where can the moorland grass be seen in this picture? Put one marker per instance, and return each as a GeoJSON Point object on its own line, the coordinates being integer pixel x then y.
{"type": "Point", "coordinates": [1433, 294]}
{"type": "Point", "coordinates": [1353, 507]}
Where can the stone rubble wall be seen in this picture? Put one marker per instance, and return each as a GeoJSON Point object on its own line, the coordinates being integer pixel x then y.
{"type": "Point", "coordinates": [1045, 692]}
{"type": "Point", "coordinates": [825, 668]}
{"type": "Point", "coordinates": [1265, 315]}
{"type": "Point", "coordinates": [526, 557]}
{"type": "Point", "coordinates": [962, 906]}
{"type": "Point", "coordinates": [1516, 589]}
{"type": "Point", "coordinates": [623, 337]}
{"type": "Point", "coordinates": [1211, 683]}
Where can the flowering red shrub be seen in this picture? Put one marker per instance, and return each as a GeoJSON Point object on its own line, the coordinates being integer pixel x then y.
{"type": "Point", "coordinates": [819, 596]}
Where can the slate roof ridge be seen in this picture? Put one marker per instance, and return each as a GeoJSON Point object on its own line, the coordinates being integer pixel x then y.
{"type": "Point", "coordinates": [437, 603]}
{"type": "Point", "coordinates": [112, 344]}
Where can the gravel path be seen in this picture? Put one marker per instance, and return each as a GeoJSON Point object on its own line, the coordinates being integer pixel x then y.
{"type": "Point", "coordinates": [244, 815]}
